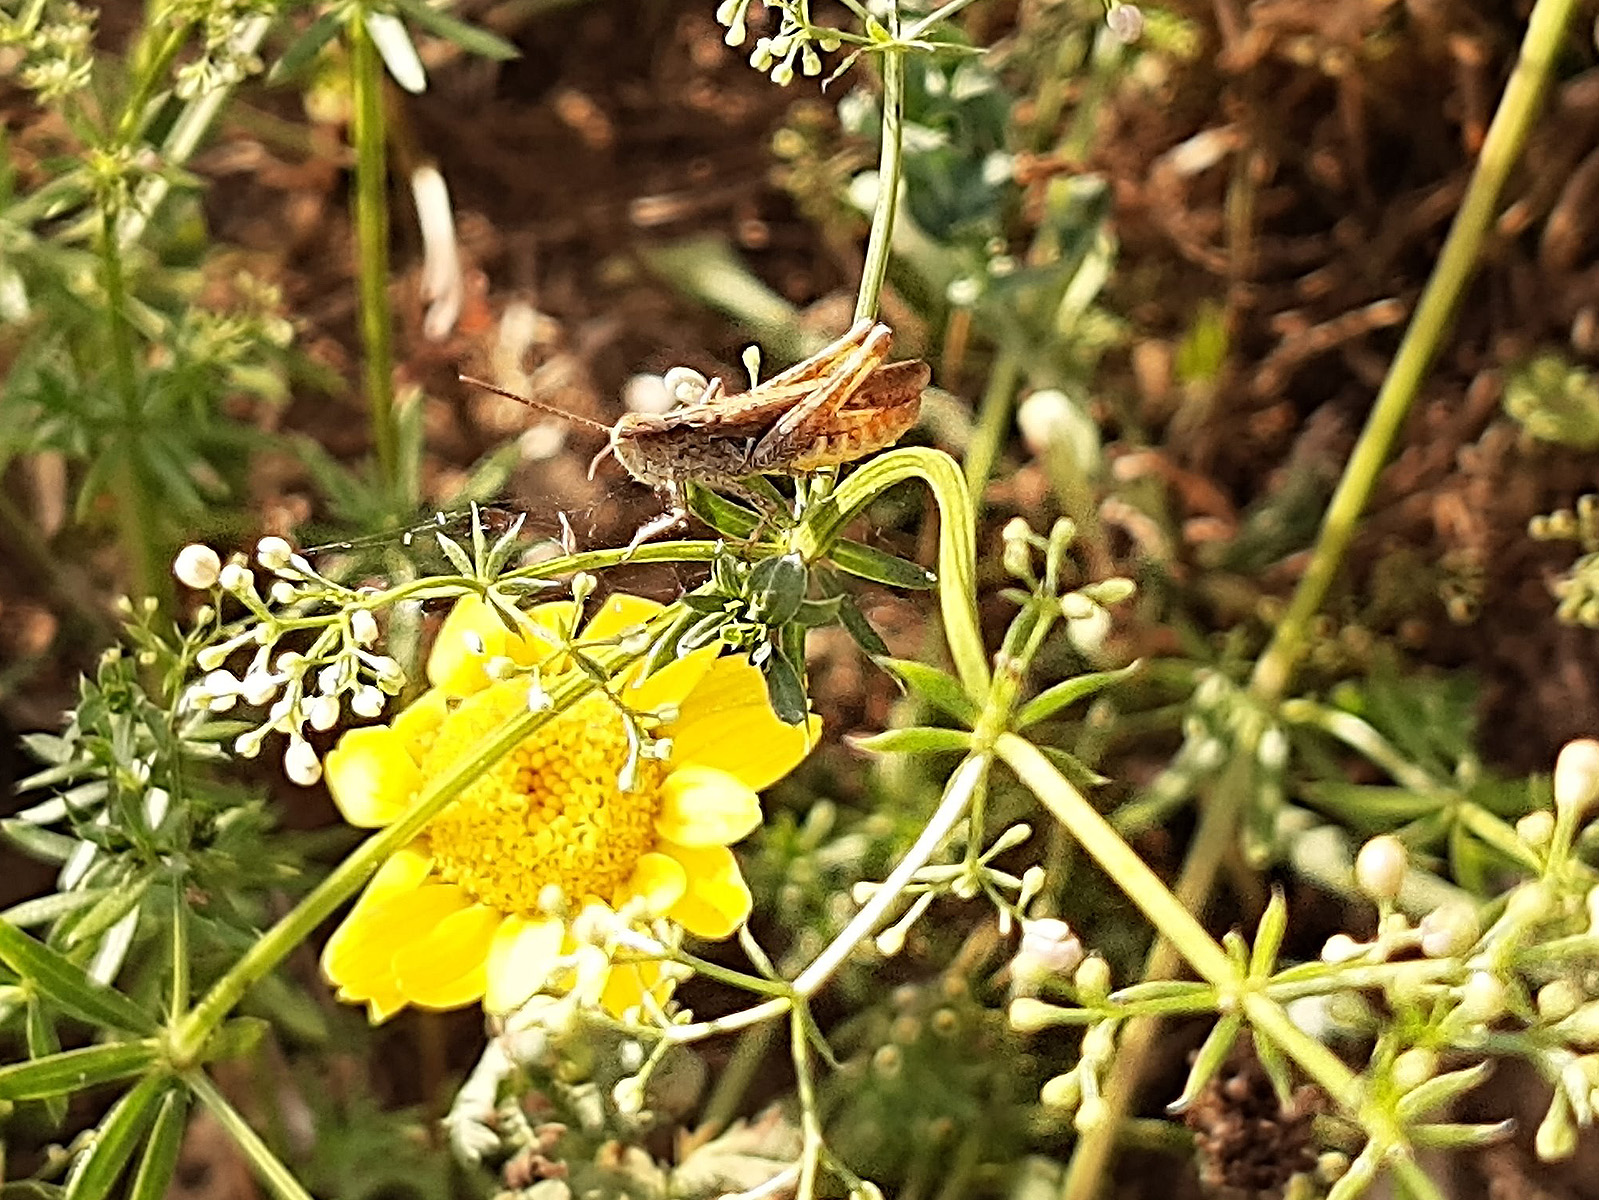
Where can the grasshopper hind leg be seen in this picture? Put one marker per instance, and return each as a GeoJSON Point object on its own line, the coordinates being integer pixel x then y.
{"type": "Point", "coordinates": [676, 515]}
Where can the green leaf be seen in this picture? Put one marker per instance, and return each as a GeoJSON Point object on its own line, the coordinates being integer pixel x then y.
{"type": "Point", "coordinates": [43, 844]}
{"type": "Point", "coordinates": [1212, 1054]}
{"type": "Point", "coordinates": [854, 620]}
{"type": "Point", "coordinates": [880, 567]}
{"type": "Point", "coordinates": [160, 1160]}
{"type": "Point", "coordinates": [915, 739]}
{"type": "Point", "coordinates": [940, 690]}
{"type": "Point", "coordinates": [43, 1043]}
{"type": "Point", "coordinates": [819, 614]}
{"type": "Point", "coordinates": [43, 909]}
{"type": "Point", "coordinates": [777, 587]}
{"type": "Point", "coordinates": [458, 557]}
{"type": "Point", "coordinates": [123, 899]}
{"type": "Point", "coordinates": [785, 688]}
{"type": "Point", "coordinates": [74, 1070]}
{"type": "Point", "coordinates": [64, 982]}
{"type": "Point", "coordinates": [97, 1170]}
{"type": "Point", "coordinates": [1050, 701]}
{"type": "Point", "coordinates": [472, 38]}
{"type": "Point", "coordinates": [307, 46]}
{"type": "Point", "coordinates": [728, 518]}
{"type": "Point", "coordinates": [1431, 1095]}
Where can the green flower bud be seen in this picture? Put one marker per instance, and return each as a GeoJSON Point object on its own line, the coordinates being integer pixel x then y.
{"type": "Point", "coordinates": [1063, 1093]}
{"type": "Point", "coordinates": [1093, 978]}
{"type": "Point", "coordinates": [1414, 1067]}
{"type": "Point", "coordinates": [1557, 1000]}
{"type": "Point", "coordinates": [1482, 997]}
{"type": "Point", "coordinates": [1581, 1028]}
{"type": "Point", "coordinates": [1556, 1138]}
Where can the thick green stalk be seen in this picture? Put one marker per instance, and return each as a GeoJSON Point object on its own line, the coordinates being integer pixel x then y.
{"type": "Point", "coordinates": [1434, 315]}
{"type": "Point", "coordinates": [135, 516]}
{"type": "Point", "coordinates": [372, 244]}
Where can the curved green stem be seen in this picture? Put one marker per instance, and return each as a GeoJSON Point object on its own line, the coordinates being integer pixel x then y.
{"type": "Point", "coordinates": [1434, 315]}
{"type": "Point", "coordinates": [957, 542]}
{"type": "Point", "coordinates": [372, 240]}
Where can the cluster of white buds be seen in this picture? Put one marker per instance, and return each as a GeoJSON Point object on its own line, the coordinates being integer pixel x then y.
{"type": "Point", "coordinates": [301, 691]}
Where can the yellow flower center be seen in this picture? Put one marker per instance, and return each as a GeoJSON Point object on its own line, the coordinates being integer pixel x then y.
{"type": "Point", "coordinates": [550, 812]}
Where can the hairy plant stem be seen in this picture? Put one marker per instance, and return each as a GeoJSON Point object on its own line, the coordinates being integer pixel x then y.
{"type": "Point", "coordinates": [1273, 670]}
{"type": "Point", "coordinates": [372, 245]}
{"type": "Point", "coordinates": [189, 1036]}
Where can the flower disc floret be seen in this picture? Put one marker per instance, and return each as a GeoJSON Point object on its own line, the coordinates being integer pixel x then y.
{"type": "Point", "coordinates": [622, 806]}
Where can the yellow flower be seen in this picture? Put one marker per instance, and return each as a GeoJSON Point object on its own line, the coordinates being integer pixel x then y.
{"type": "Point", "coordinates": [481, 905]}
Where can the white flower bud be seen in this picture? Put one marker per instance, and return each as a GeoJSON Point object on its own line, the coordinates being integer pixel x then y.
{"type": "Point", "coordinates": [1340, 948]}
{"type": "Point", "coordinates": [323, 713]}
{"type": "Point", "coordinates": [221, 704]}
{"type": "Point", "coordinates": [1380, 868]}
{"type": "Point", "coordinates": [1448, 930]}
{"type": "Point", "coordinates": [235, 578]}
{"type": "Point", "coordinates": [258, 687]}
{"type": "Point", "coordinates": [282, 592]}
{"type": "Point", "coordinates": [1126, 23]}
{"type": "Point", "coordinates": [329, 678]}
{"type": "Point", "coordinates": [197, 567]}
{"type": "Point", "coordinates": [221, 683]}
{"type": "Point", "coordinates": [248, 743]}
{"type": "Point", "coordinates": [212, 657]}
{"type": "Point", "coordinates": [390, 675]}
{"type": "Point", "coordinates": [1576, 781]}
{"type": "Point", "coordinates": [1063, 1093]}
{"type": "Point", "coordinates": [301, 764]}
{"type": "Point", "coordinates": [363, 627]}
{"type": "Point", "coordinates": [367, 701]}
{"type": "Point", "coordinates": [1048, 948]}
{"type": "Point", "coordinates": [1537, 828]}
{"type": "Point", "coordinates": [1030, 1015]}
{"type": "Point", "coordinates": [273, 553]}
{"type": "Point", "coordinates": [1557, 1000]}
{"type": "Point", "coordinates": [287, 661]}
{"type": "Point", "coordinates": [1093, 978]}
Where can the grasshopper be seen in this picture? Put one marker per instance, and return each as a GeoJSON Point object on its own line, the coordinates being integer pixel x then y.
{"type": "Point", "coordinates": [841, 404]}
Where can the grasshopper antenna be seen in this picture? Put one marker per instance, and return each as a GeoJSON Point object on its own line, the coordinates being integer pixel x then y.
{"type": "Point", "coordinates": [534, 404]}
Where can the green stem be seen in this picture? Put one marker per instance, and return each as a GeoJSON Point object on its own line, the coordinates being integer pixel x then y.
{"type": "Point", "coordinates": [890, 169]}
{"type": "Point", "coordinates": [280, 1181]}
{"type": "Point", "coordinates": [957, 542]}
{"type": "Point", "coordinates": [1434, 315]}
{"type": "Point", "coordinates": [136, 523]}
{"type": "Point", "coordinates": [993, 423]}
{"type": "Point", "coordinates": [372, 241]}
{"type": "Point", "coordinates": [189, 1038]}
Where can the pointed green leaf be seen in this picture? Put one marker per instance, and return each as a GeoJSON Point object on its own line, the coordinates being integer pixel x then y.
{"type": "Point", "coordinates": [124, 898]}
{"type": "Point", "coordinates": [1050, 701]}
{"type": "Point", "coordinates": [728, 518]}
{"type": "Point", "coordinates": [43, 1043]}
{"type": "Point", "coordinates": [880, 567]}
{"type": "Point", "coordinates": [1460, 1137]}
{"type": "Point", "coordinates": [1269, 935]}
{"type": "Point", "coordinates": [74, 1070]}
{"type": "Point", "coordinates": [940, 690]}
{"type": "Point", "coordinates": [785, 688]}
{"type": "Point", "coordinates": [98, 1168]}
{"type": "Point", "coordinates": [160, 1160]}
{"type": "Point", "coordinates": [66, 983]}
{"type": "Point", "coordinates": [43, 909]}
{"type": "Point", "coordinates": [307, 46]}
{"type": "Point", "coordinates": [915, 739]}
{"type": "Point", "coordinates": [777, 588]}
{"type": "Point", "coordinates": [280, 1181]}
{"type": "Point", "coordinates": [472, 38]}
{"type": "Point", "coordinates": [1212, 1054]}
{"type": "Point", "coordinates": [43, 844]}
{"type": "Point", "coordinates": [459, 559]}
{"type": "Point", "coordinates": [1443, 1089]}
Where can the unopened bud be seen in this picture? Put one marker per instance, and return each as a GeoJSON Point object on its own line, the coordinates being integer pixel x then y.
{"type": "Point", "coordinates": [1048, 948]}
{"type": "Point", "coordinates": [1482, 997]}
{"type": "Point", "coordinates": [1093, 978]}
{"type": "Point", "coordinates": [1448, 930]}
{"type": "Point", "coordinates": [301, 764]}
{"type": "Point", "coordinates": [363, 627]}
{"type": "Point", "coordinates": [197, 567]}
{"type": "Point", "coordinates": [273, 553]}
{"type": "Point", "coordinates": [1126, 23]}
{"type": "Point", "coordinates": [323, 713]}
{"type": "Point", "coordinates": [1537, 828]}
{"type": "Point", "coordinates": [1556, 1138]}
{"type": "Point", "coordinates": [367, 701]}
{"type": "Point", "coordinates": [1062, 1093]}
{"type": "Point", "coordinates": [1380, 868]}
{"type": "Point", "coordinates": [1576, 783]}
{"type": "Point", "coordinates": [1341, 948]}
{"type": "Point", "coordinates": [1414, 1067]}
{"type": "Point", "coordinates": [1030, 1015]}
{"type": "Point", "coordinates": [259, 687]}
{"type": "Point", "coordinates": [235, 578]}
{"type": "Point", "coordinates": [1017, 554]}
{"type": "Point", "coordinates": [281, 592]}
{"type": "Point", "coordinates": [1557, 1000]}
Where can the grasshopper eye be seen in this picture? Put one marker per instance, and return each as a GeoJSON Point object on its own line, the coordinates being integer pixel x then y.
{"type": "Point", "coordinates": [685, 385]}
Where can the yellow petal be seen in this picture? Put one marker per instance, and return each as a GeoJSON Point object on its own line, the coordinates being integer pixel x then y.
{"type": "Point", "coordinates": [728, 723]}
{"type": "Point", "coordinates": [360, 957]}
{"type": "Point", "coordinates": [371, 776]}
{"type": "Point", "coordinates": [671, 684]}
{"type": "Point", "coordinates": [658, 879]}
{"type": "Point", "coordinates": [418, 722]}
{"type": "Point", "coordinates": [401, 871]}
{"type": "Point", "coordinates": [703, 806]}
{"type": "Point", "coordinates": [620, 612]}
{"type": "Point", "coordinates": [627, 982]}
{"type": "Point", "coordinates": [447, 967]}
{"type": "Point", "coordinates": [521, 959]}
{"type": "Point", "coordinates": [718, 900]}
{"type": "Point", "coordinates": [473, 633]}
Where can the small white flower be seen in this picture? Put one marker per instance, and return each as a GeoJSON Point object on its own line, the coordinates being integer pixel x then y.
{"type": "Point", "coordinates": [367, 701]}
{"type": "Point", "coordinates": [363, 627]}
{"type": "Point", "coordinates": [197, 567]}
{"type": "Point", "coordinates": [301, 764]}
{"type": "Point", "coordinates": [221, 704]}
{"type": "Point", "coordinates": [323, 713]}
{"type": "Point", "coordinates": [273, 553]}
{"type": "Point", "coordinates": [235, 578]}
